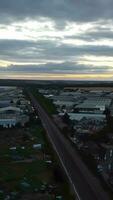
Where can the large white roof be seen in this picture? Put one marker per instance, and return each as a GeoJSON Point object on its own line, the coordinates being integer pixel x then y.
{"type": "Point", "coordinates": [66, 103]}
{"type": "Point", "coordinates": [11, 108]}
{"type": "Point", "coordinates": [79, 116]}
{"type": "Point", "coordinates": [100, 102]}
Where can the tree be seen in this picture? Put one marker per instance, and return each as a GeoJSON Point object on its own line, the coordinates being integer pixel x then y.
{"type": "Point", "coordinates": [107, 112]}
{"type": "Point", "coordinates": [18, 103]}
{"type": "Point", "coordinates": [66, 119]}
{"type": "Point", "coordinates": [11, 101]}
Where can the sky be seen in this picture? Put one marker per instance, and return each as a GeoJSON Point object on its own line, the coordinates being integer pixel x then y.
{"type": "Point", "coordinates": [56, 39]}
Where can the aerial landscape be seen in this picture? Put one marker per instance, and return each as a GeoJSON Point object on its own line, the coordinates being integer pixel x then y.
{"type": "Point", "coordinates": [56, 142]}
{"type": "Point", "coordinates": [56, 100]}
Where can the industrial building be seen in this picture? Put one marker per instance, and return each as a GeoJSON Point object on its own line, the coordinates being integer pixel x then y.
{"type": "Point", "coordinates": [10, 116]}
{"type": "Point", "coordinates": [13, 107]}
{"type": "Point", "coordinates": [12, 120]}
{"type": "Point", "coordinates": [94, 105]}
{"type": "Point", "coordinates": [68, 105]}
{"type": "Point", "coordinates": [80, 116]}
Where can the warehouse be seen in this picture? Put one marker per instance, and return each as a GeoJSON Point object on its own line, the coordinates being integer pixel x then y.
{"type": "Point", "coordinates": [94, 105]}
{"type": "Point", "coordinates": [67, 104]}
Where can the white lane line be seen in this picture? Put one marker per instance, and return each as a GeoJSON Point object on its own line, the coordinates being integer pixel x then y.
{"type": "Point", "coordinates": [54, 146]}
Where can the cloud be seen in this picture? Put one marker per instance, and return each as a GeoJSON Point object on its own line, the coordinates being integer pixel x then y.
{"type": "Point", "coordinates": [69, 10]}
{"type": "Point", "coordinates": [59, 68]}
{"type": "Point", "coordinates": [44, 51]}
{"type": "Point", "coordinates": [56, 36]}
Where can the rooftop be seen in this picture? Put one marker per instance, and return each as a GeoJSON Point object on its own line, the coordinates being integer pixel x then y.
{"type": "Point", "coordinates": [100, 102]}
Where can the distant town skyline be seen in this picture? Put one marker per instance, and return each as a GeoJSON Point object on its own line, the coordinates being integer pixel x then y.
{"type": "Point", "coordinates": [56, 39]}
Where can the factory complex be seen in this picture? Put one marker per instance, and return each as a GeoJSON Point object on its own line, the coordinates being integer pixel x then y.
{"type": "Point", "coordinates": [14, 108]}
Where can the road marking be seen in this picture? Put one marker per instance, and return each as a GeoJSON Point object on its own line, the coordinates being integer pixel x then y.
{"type": "Point", "coordinates": [54, 146]}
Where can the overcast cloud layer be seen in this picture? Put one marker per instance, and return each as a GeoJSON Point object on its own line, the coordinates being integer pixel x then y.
{"type": "Point", "coordinates": [56, 39]}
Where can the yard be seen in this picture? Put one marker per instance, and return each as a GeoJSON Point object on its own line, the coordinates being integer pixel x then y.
{"type": "Point", "coordinates": [27, 166]}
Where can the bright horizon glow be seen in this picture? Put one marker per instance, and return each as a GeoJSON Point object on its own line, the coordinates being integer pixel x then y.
{"type": "Point", "coordinates": [43, 76]}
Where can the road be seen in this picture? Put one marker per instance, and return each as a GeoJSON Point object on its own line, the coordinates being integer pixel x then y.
{"type": "Point", "coordinates": [85, 185]}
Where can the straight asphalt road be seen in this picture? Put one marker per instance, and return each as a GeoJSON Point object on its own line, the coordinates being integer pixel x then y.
{"type": "Point", "coordinates": [85, 185]}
